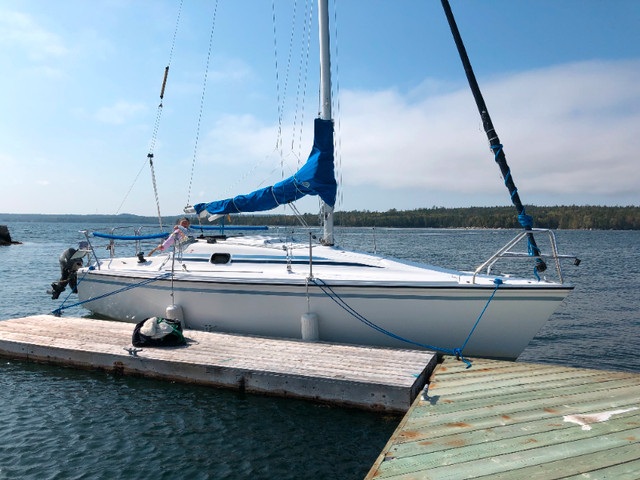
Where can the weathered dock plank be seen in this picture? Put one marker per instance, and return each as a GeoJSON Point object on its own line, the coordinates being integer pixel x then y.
{"type": "Point", "coordinates": [515, 420]}
{"type": "Point", "coordinates": [373, 378]}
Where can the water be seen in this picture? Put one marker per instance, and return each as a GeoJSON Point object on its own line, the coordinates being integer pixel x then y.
{"type": "Point", "coordinates": [62, 423]}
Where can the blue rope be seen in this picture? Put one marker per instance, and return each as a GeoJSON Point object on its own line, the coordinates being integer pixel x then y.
{"type": "Point", "coordinates": [58, 311]}
{"type": "Point", "coordinates": [130, 237]}
{"type": "Point", "coordinates": [230, 227]}
{"type": "Point", "coordinates": [525, 220]}
{"type": "Point", "coordinates": [166, 234]}
{"type": "Point", "coordinates": [327, 290]}
{"type": "Point", "coordinates": [498, 282]}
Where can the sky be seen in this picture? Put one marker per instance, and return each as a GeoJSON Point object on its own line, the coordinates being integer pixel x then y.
{"type": "Point", "coordinates": [80, 85]}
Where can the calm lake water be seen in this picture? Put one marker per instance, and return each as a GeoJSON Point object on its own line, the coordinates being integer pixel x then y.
{"type": "Point", "coordinates": [58, 423]}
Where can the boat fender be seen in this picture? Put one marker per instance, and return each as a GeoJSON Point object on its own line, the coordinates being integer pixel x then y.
{"type": "Point", "coordinates": [309, 324]}
{"type": "Point", "coordinates": [174, 312]}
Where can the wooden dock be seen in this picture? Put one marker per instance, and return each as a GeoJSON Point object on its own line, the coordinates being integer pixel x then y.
{"type": "Point", "coordinates": [518, 421]}
{"type": "Point", "coordinates": [372, 378]}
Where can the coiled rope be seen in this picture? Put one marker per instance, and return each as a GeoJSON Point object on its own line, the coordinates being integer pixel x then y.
{"type": "Point", "coordinates": [327, 290]}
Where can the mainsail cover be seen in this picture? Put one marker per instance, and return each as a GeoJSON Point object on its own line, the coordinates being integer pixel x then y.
{"type": "Point", "coordinates": [316, 177]}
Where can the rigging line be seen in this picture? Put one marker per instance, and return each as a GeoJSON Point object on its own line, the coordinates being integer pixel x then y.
{"type": "Point", "coordinates": [175, 34]}
{"type": "Point", "coordinates": [282, 98]}
{"type": "Point", "coordinates": [155, 188]}
{"type": "Point", "coordinates": [303, 72]}
{"type": "Point", "coordinates": [337, 130]}
{"type": "Point", "coordinates": [275, 55]}
{"type": "Point", "coordinates": [156, 125]}
{"type": "Point", "coordinates": [289, 54]}
{"type": "Point", "coordinates": [144, 164]}
{"type": "Point", "coordinates": [204, 90]}
{"type": "Point", "coordinates": [297, 213]}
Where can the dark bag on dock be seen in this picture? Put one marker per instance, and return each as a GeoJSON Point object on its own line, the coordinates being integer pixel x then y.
{"type": "Point", "coordinates": [158, 332]}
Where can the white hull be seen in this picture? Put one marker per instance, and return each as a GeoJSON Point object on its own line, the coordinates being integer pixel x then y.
{"type": "Point", "coordinates": [255, 293]}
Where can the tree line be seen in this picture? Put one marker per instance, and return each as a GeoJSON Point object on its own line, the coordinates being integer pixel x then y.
{"type": "Point", "coordinates": [558, 217]}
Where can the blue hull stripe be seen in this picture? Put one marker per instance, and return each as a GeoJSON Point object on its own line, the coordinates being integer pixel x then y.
{"type": "Point", "coordinates": [481, 293]}
{"type": "Point", "coordinates": [282, 261]}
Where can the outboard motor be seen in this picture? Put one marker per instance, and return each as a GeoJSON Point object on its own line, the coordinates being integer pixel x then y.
{"type": "Point", "coordinates": [68, 272]}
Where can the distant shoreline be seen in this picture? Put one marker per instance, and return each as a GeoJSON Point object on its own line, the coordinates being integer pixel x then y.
{"type": "Point", "coordinates": [557, 218]}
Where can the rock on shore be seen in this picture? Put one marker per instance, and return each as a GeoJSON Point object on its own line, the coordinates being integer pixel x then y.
{"type": "Point", "coordinates": [5, 236]}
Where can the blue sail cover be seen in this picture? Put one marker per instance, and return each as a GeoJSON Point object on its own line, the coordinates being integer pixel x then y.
{"type": "Point", "coordinates": [316, 177]}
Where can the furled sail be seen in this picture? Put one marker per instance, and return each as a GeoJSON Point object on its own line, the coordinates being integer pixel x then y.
{"type": "Point", "coordinates": [316, 177]}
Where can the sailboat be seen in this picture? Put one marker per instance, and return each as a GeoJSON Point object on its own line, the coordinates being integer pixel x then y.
{"type": "Point", "coordinates": [317, 291]}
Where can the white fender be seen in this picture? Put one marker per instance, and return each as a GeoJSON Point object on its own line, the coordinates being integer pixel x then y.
{"type": "Point", "coordinates": [309, 324]}
{"type": "Point", "coordinates": [174, 312]}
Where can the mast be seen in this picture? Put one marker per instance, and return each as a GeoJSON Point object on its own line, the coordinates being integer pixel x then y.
{"type": "Point", "coordinates": [325, 101]}
{"type": "Point", "coordinates": [492, 135]}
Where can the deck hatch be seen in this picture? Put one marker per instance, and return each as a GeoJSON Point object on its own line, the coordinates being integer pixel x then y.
{"type": "Point", "coordinates": [220, 258]}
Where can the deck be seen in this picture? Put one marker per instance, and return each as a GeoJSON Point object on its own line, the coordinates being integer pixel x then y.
{"type": "Point", "coordinates": [370, 378]}
{"type": "Point", "coordinates": [516, 420]}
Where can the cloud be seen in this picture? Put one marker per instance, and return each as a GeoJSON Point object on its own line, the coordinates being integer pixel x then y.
{"type": "Point", "coordinates": [19, 30]}
{"type": "Point", "coordinates": [566, 129]}
{"type": "Point", "coordinates": [569, 132]}
{"type": "Point", "coordinates": [120, 112]}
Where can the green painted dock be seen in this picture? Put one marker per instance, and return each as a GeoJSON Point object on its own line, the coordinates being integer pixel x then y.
{"type": "Point", "coordinates": [512, 420]}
